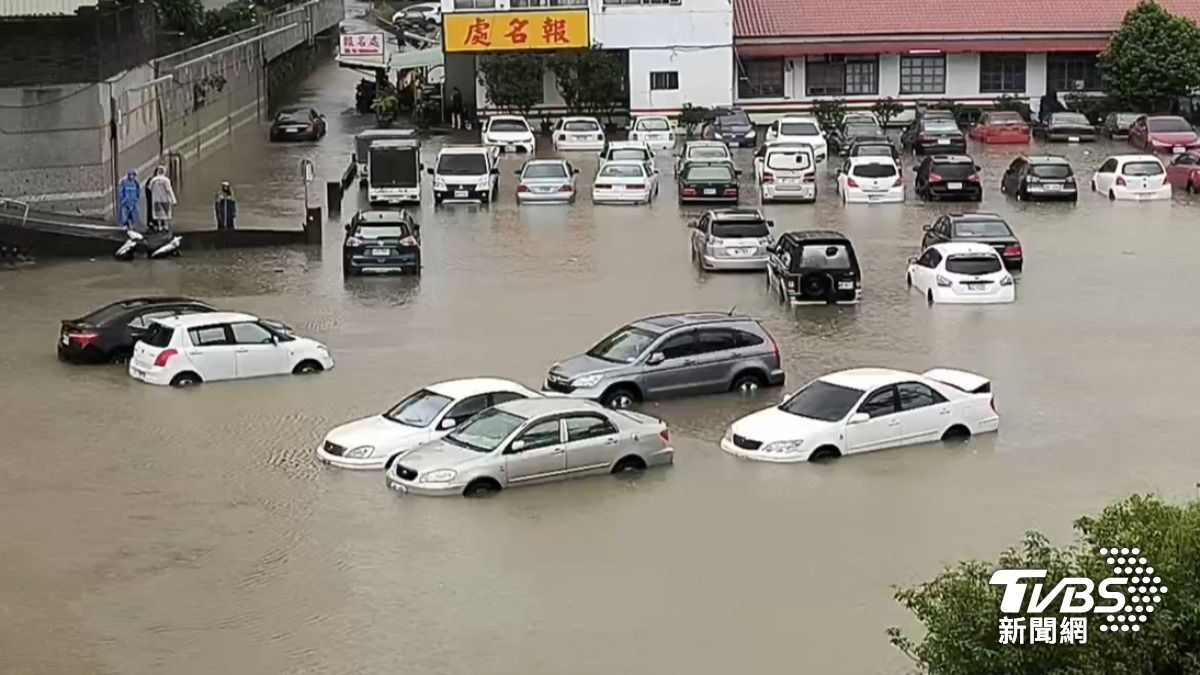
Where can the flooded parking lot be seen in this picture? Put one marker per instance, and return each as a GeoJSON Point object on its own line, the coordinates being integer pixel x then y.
{"type": "Point", "coordinates": [157, 530]}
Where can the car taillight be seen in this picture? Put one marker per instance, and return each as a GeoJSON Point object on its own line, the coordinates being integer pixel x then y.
{"type": "Point", "coordinates": [899, 181]}
{"type": "Point", "coordinates": [1069, 180]}
{"type": "Point", "coordinates": [522, 188]}
{"type": "Point", "coordinates": [1012, 251]}
{"type": "Point", "coordinates": [164, 356]}
{"type": "Point", "coordinates": [850, 182]}
{"type": "Point", "coordinates": [974, 178]}
{"type": "Point", "coordinates": [730, 192]}
{"type": "Point", "coordinates": [768, 177]}
{"type": "Point", "coordinates": [809, 179]}
{"type": "Point", "coordinates": [935, 178]}
{"type": "Point", "coordinates": [1120, 180]}
{"type": "Point", "coordinates": [665, 434]}
{"type": "Point", "coordinates": [925, 139]}
{"type": "Point", "coordinates": [775, 350]}
{"type": "Point", "coordinates": [408, 241]}
{"type": "Point", "coordinates": [83, 339]}
{"type": "Point", "coordinates": [567, 187]}
{"type": "Point", "coordinates": [688, 192]}
{"type": "Point", "coordinates": [992, 401]}
{"type": "Point", "coordinates": [560, 137]}
{"type": "Point", "coordinates": [636, 186]}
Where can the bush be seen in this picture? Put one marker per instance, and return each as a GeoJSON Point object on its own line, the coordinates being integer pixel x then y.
{"type": "Point", "coordinates": [692, 116]}
{"type": "Point", "coordinates": [1153, 59]}
{"type": "Point", "coordinates": [1015, 104]}
{"type": "Point", "coordinates": [886, 109]}
{"type": "Point", "coordinates": [513, 81]}
{"type": "Point", "coordinates": [829, 113]}
{"type": "Point", "coordinates": [1095, 108]}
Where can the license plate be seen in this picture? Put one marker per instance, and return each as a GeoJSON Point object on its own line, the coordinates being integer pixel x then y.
{"type": "Point", "coordinates": [379, 251]}
{"type": "Point", "coordinates": [1072, 139]}
{"type": "Point", "coordinates": [789, 181]}
{"type": "Point", "coordinates": [139, 373]}
{"type": "Point", "coordinates": [579, 138]}
{"type": "Point", "coordinates": [510, 148]}
{"type": "Point", "coordinates": [1052, 187]}
{"type": "Point", "coordinates": [845, 285]}
{"type": "Point", "coordinates": [460, 194]}
{"type": "Point", "coordinates": [874, 198]}
{"type": "Point", "coordinates": [710, 192]}
{"type": "Point", "coordinates": [955, 186]}
{"type": "Point", "coordinates": [295, 129]}
{"type": "Point", "coordinates": [943, 141]}
{"type": "Point", "coordinates": [1178, 150]}
{"type": "Point", "coordinates": [543, 188]}
{"type": "Point", "coordinates": [739, 252]}
{"type": "Point", "coordinates": [976, 287]}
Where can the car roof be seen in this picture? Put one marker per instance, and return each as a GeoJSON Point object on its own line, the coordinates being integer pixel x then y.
{"type": "Point", "coordinates": [625, 145]}
{"type": "Point", "coordinates": [867, 379]}
{"type": "Point", "coordinates": [708, 161]}
{"type": "Point", "coordinates": [464, 150]}
{"type": "Point", "coordinates": [736, 214]}
{"type": "Point", "coordinates": [1165, 117]}
{"type": "Point", "coordinates": [386, 133]}
{"type": "Point", "coordinates": [193, 320]}
{"type": "Point", "coordinates": [624, 162]}
{"type": "Point", "coordinates": [546, 160]}
{"type": "Point", "coordinates": [508, 117]}
{"type": "Point", "coordinates": [471, 386]}
{"type": "Point", "coordinates": [580, 118]}
{"type": "Point", "coordinates": [665, 322]}
{"type": "Point", "coordinates": [651, 117]}
{"type": "Point", "coordinates": [536, 407]}
{"type": "Point", "coordinates": [1134, 158]}
{"type": "Point", "coordinates": [963, 248]}
{"type": "Point", "coordinates": [381, 215]}
{"type": "Point", "coordinates": [1046, 159]}
{"type": "Point", "coordinates": [816, 236]}
{"type": "Point", "coordinates": [294, 108]}
{"type": "Point", "coordinates": [951, 159]}
{"type": "Point", "coordinates": [872, 159]}
{"type": "Point", "coordinates": [704, 144]}
{"type": "Point", "coordinates": [798, 118]}
{"type": "Point", "coordinates": [976, 216]}
{"type": "Point", "coordinates": [791, 146]}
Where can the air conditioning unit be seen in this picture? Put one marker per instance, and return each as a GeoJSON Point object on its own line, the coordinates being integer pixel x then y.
{"type": "Point", "coordinates": [1079, 85]}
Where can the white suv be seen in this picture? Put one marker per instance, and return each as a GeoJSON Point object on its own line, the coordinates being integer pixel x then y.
{"type": "Point", "coordinates": [196, 348]}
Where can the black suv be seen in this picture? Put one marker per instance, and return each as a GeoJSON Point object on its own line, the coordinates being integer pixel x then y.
{"type": "Point", "coordinates": [933, 134]}
{"type": "Point", "coordinates": [814, 267]}
{"type": "Point", "coordinates": [1040, 177]}
{"type": "Point", "coordinates": [731, 126]}
{"type": "Point", "coordinates": [108, 334]}
{"type": "Point", "coordinates": [948, 177]}
{"type": "Point", "coordinates": [382, 241]}
{"type": "Point", "coordinates": [985, 228]}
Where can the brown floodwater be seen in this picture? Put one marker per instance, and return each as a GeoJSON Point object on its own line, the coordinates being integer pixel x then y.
{"type": "Point", "coordinates": [149, 530]}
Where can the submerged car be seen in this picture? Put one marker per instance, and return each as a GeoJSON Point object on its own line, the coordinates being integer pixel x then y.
{"type": "Point", "coordinates": [578, 133]}
{"type": "Point", "coordinates": [702, 151]}
{"type": "Point", "coordinates": [381, 241]}
{"type": "Point", "coordinates": [731, 126]}
{"type": "Point", "coordinates": [546, 181]}
{"type": "Point", "coordinates": [934, 135]}
{"type": "Point", "coordinates": [962, 273]}
{"type": "Point", "coordinates": [1001, 126]}
{"type": "Point", "coordinates": [1133, 177]}
{"type": "Point", "coordinates": [786, 171]}
{"type": "Point", "coordinates": [672, 355]}
{"type": "Point", "coordinates": [1067, 127]}
{"type": "Point", "coordinates": [811, 267]}
{"type": "Point", "coordinates": [940, 177]}
{"type": "Point", "coordinates": [731, 239]}
{"type": "Point", "coordinates": [1184, 172]}
{"type": "Point", "coordinates": [799, 129]}
{"type": "Point", "coordinates": [866, 409]}
{"type": "Point", "coordinates": [509, 133]}
{"type": "Point", "coordinates": [108, 334]}
{"type": "Point", "coordinates": [876, 147]}
{"type": "Point", "coordinates": [708, 181]}
{"type": "Point", "coordinates": [1163, 133]}
{"type": "Point", "coordinates": [870, 180]}
{"type": "Point", "coordinates": [425, 415]}
{"type": "Point", "coordinates": [1117, 124]}
{"type": "Point", "coordinates": [631, 151]}
{"type": "Point", "coordinates": [625, 182]}
{"type": "Point", "coordinates": [653, 130]}
{"type": "Point", "coordinates": [297, 124]}
{"type": "Point", "coordinates": [984, 228]}
{"type": "Point", "coordinates": [854, 132]}
{"type": "Point", "coordinates": [532, 441]}
{"type": "Point", "coordinates": [1040, 177]}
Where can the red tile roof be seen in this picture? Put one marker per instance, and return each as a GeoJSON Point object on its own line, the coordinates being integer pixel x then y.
{"type": "Point", "coordinates": [808, 18]}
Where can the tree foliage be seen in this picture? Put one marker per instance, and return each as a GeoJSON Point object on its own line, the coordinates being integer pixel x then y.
{"type": "Point", "coordinates": [886, 109]}
{"type": "Point", "coordinates": [961, 611]}
{"type": "Point", "coordinates": [829, 113]}
{"type": "Point", "coordinates": [190, 19]}
{"type": "Point", "coordinates": [692, 117]}
{"type": "Point", "coordinates": [513, 81]}
{"type": "Point", "coordinates": [590, 81]}
{"type": "Point", "coordinates": [1152, 59]}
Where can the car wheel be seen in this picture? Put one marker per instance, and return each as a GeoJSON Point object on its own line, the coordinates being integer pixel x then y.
{"type": "Point", "coordinates": [619, 398]}
{"type": "Point", "coordinates": [1003, 188]}
{"type": "Point", "coordinates": [908, 280]}
{"type": "Point", "coordinates": [1191, 188]}
{"type": "Point", "coordinates": [783, 298]}
{"type": "Point", "coordinates": [746, 383]}
{"type": "Point", "coordinates": [956, 432]}
{"type": "Point", "coordinates": [929, 298]}
{"type": "Point", "coordinates": [1094, 185]}
{"type": "Point", "coordinates": [307, 367]}
{"type": "Point", "coordinates": [824, 454]}
{"type": "Point", "coordinates": [1112, 196]}
{"type": "Point", "coordinates": [185, 380]}
{"type": "Point", "coordinates": [630, 463]}
{"type": "Point", "coordinates": [481, 487]}
{"type": "Point", "coordinates": [118, 358]}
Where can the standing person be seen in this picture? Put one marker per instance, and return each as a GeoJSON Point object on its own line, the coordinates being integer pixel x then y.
{"type": "Point", "coordinates": [1050, 104]}
{"type": "Point", "coordinates": [456, 109]}
{"type": "Point", "coordinates": [129, 197]}
{"type": "Point", "coordinates": [162, 198]}
{"type": "Point", "coordinates": [225, 207]}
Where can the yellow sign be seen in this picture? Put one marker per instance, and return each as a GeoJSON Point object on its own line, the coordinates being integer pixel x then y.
{"type": "Point", "coordinates": [515, 31]}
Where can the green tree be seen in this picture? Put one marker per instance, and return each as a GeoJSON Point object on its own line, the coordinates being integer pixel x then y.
{"type": "Point", "coordinates": [513, 81]}
{"type": "Point", "coordinates": [185, 17]}
{"type": "Point", "coordinates": [1152, 59]}
{"type": "Point", "coordinates": [960, 610]}
{"type": "Point", "coordinates": [590, 81]}
{"type": "Point", "coordinates": [885, 109]}
{"type": "Point", "coordinates": [829, 113]}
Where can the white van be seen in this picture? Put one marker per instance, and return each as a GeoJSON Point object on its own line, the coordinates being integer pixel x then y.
{"type": "Point", "coordinates": [786, 171]}
{"type": "Point", "coordinates": [468, 173]}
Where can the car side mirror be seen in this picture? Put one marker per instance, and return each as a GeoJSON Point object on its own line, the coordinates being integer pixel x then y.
{"type": "Point", "coordinates": [978, 168]}
{"type": "Point", "coordinates": [518, 172]}
{"type": "Point", "coordinates": [429, 171]}
{"type": "Point", "coordinates": [448, 423]}
{"type": "Point", "coordinates": [517, 446]}
{"type": "Point", "coordinates": [574, 172]}
{"type": "Point", "coordinates": [912, 260]}
{"type": "Point", "coordinates": [927, 228]}
{"type": "Point", "coordinates": [737, 172]}
{"type": "Point", "coordinates": [655, 359]}
{"type": "Point", "coordinates": [495, 171]}
{"type": "Point", "coordinates": [858, 418]}
{"type": "Point", "coordinates": [916, 167]}
{"type": "Point", "coordinates": [770, 223]}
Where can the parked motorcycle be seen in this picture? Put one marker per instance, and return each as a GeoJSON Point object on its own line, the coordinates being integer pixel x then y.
{"type": "Point", "coordinates": [155, 245]}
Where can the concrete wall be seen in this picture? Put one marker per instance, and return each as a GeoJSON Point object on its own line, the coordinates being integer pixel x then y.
{"type": "Point", "coordinates": [705, 78]}
{"type": "Point", "coordinates": [90, 46]}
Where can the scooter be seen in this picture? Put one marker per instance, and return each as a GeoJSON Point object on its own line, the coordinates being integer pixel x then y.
{"type": "Point", "coordinates": [155, 244]}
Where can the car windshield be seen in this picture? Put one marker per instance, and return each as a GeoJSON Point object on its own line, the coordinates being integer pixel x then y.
{"type": "Point", "coordinates": [581, 125]}
{"type": "Point", "coordinates": [293, 116]}
{"type": "Point", "coordinates": [940, 126]}
{"type": "Point", "coordinates": [418, 410]}
{"type": "Point", "coordinates": [653, 125]}
{"type": "Point", "coordinates": [462, 165]}
{"type": "Point", "coordinates": [824, 257]}
{"type": "Point", "coordinates": [863, 130]}
{"type": "Point", "coordinates": [158, 335]}
{"type": "Point", "coordinates": [1011, 117]}
{"type": "Point", "coordinates": [733, 118]}
{"type": "Point", "coordinates": [508, 126]}
{"type": "Point", "coordinates": [382, 231]}
{"type": "Point", "coordinates": [709, 173]}
{"type": "Point", "coordinates": [789, 161]}
{"type": "Point", "coordinates": [798, 129]}
{"type": "Point", "coordinates": [623, 346]}
{"type": "Point", "coordinates": [622, 171]}
{"type": "Point", "coordinates": [1069, 118]}
{"type": "Point", "coordinates": [974, 264]}
{"type": "Point", "coordinates": [873, 170]}
{"type": "Point", "coordinates": [872, 151]}
{"type": "Point", "coordinates": [820, 400]}
{"type": "Point", "coordinates": [740, 229]}
{"type": "Point", "coordinates": [707, 152]}
{"type": "Point", "coordinates": [1168, 124]}
{"type": "Point", "coordinates": [981, 228]}
{"type": "Point", "coordinates": [486, 431]}
{"type": "Point", "coordinates": [629, 154]}
{"type": "Point", "coordinates": [1127, 118]}
{"type": "Point", "coordinates": [545, 171]}
{"type": "Point", "coordinates": [1051, 170]}
{"type": "Point", "coordinates": [953, 169]}
{"type": "Point", "coordinates": [1142, 169]}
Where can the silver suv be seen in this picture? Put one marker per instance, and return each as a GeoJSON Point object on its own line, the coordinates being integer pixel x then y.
{"type": "Point", "coordinates": [672, 355]}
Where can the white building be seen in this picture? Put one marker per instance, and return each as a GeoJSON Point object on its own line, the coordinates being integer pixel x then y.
{"type": "Point", "coordinates": [677, 51]}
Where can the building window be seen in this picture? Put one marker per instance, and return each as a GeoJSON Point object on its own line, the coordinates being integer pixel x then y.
{"type": "Point", "coordinates": [761, 78]}
{"type": "Point", "coordinates": [664, 80]}
{"type": "Point", "coordinates": [474, 4]}
{"type": "Point", "coordinates": [643, 2]}
{"type": "Point", "coordinates": [1001, 73]}
{"type": "Point", "coordinates": [1073, 71]}
{"type": "Point", "coordinates": [923, 74]}
{"type": "Point", "coordinates": [835, 75]}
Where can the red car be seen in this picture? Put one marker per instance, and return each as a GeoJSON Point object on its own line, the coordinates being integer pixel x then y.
{"type": "Point", "coordinates": [1001, 126]}
{"type": "Point", "coordinates": [1163, 133]}
{"type": "Point", "coordinates": [1184, 172]}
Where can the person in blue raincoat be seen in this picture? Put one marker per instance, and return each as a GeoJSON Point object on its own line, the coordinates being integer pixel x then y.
{"type": "Point", "coordinates": [129, 196]}
{"type": "Point", "coordinates": [226, 207]}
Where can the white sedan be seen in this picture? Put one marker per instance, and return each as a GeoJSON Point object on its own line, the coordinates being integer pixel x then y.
{"type": "Point", "coordinates": [579, 133]}
{"type": "Point", "coordinates": [625, 182]}
{"type": "Point", "coordinates": [1136, 177]}
{"type": "Point", "coordinates": [799, 129]}
{"type": "Point", "coordinates": [653, 130]}
{"type": "Point", "coordinates": [509, 133]}
{"type": "Point", "coordinates": [870, 179]}
{"type": "Point", "coordinates": [966, 273]}
{"type": "Point", "coordinates": [426, 415]}
{"type": "Point", "coordinates": [194, 348]}
{"type": "Point", "coordinates": [866, 409]}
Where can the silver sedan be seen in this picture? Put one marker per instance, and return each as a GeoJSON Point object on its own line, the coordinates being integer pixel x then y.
{"type": "Point", "coordinates": [532, 441]}
{"type": "Point", "coordinates": [546, 181]}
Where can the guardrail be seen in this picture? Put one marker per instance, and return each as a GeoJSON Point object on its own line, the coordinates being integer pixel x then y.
{"type": "Point", "coordinates": [23, 207]}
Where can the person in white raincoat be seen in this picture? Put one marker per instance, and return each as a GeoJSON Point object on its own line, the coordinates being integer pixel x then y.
{"type": "Point", "coordinates": [162, 198]}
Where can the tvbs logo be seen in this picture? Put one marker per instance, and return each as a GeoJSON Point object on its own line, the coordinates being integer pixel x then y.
{"type": "Point", "coordinates": [1125, 600]}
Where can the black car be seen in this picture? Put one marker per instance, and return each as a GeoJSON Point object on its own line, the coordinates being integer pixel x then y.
{"type": "Point", "coordinates": [108, 334]}
{"type": "Point", "coordinates": [842, 139]}
{"type": "Point", "coordinates": [708, 181]}
{"type": "Point", "coordinates": [731, 126]}
{"type": "Point", "coordinates": [941, 177]}
{"type": "Point", "coordinates": [1116, 124]}
{"type": "Point", "coordinates": [1040, 177]}
{"type": "Point", "coordinates": [814, 267]}
{"type": "Point", "coordinates": [1066, 127]}
{"type": "Point", "coordinates": [382, 241]}
{"type": "Point", "coordinates": [985, 228]}
{"type": "Point", "coordinates": [929, 135]}
{"type": "Point", "coordinates": [874, 147]}
{"type": "Point", "coordinates": [297, 124]}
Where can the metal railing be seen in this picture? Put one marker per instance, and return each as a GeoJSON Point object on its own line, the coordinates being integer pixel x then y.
{"type": "Point", "coordinates": [7, 203]}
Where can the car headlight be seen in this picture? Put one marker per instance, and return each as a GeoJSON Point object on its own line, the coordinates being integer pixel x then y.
{"type": "Point", "coordinates": [751, 134]}
{"type": "Point", "coordinates": [360, 452]}
{"type": "Point", "coordinates": [587, 380]}
{"type": "Point", "coordinates": [783, 447]}
{"type": "Point", "coordinates": [439, 184]}
{"type": "Point", "coordinates": [439, 476]}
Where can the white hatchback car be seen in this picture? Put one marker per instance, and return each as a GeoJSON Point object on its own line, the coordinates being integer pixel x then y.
{"type": "Point", "coordinates": [653, 130]}
{"type": "Point", "coordinates": [1136, 177]}
{"type": "Point", "coordinates": [196, 348]}
{"type": "Point", "coordinates": [866, 409]}
{"type": "Point", "coordinates": [426, 415]}
{"type": "Point", "coordinates": [579, 133]}
{"type": "Point", "coordinates": [870, 180]}
{"type": "Point", "coordinates": [799, 129]}
{"type": "Point", "coordinates": [965, 273]}
{"type": "Point", "coordinates": [625, 182]}
{"type": "Point", "coordinates": [509, 133]}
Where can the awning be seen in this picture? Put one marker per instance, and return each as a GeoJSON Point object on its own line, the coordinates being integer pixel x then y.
{"type": "Point", "coordinates": [405, 60]}
{"type": "Point", "coordinates": [910, 46]}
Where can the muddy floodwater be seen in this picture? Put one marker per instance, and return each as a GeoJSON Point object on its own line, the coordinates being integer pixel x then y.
{"type": "Point", "coordinates": [149, 530]}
